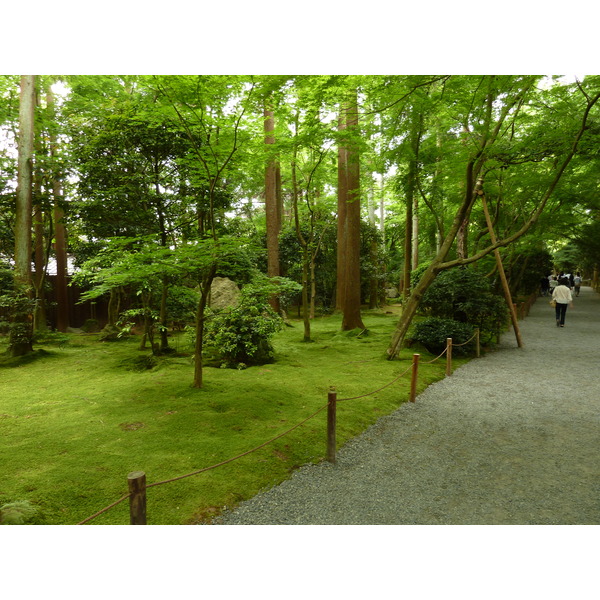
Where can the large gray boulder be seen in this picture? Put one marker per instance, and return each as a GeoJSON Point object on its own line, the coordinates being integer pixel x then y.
{"type": "Point", "coordinates": [224, 293]}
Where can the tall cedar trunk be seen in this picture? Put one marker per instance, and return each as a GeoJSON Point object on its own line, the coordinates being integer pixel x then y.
{"type": "Point", "coordinates": [373, 254]}
{"type": "Point", "coordinates": [352, 300]}
{"type": "Point", "coordinates": [40, 255]}
{"type": "Point", "coordinates": [415, 232]}
{"type": "Point", "coordinates": [382, 290]}
{"type": "Point", "coordinates": [305, 252]}
{"type": "Point", "coordinates": [39, 316]}
{"type": "Point", "coordinates": [437, 195]}
{"type": "Point", "coordinates": [407, 248]}
{"type": "Point", "coordinates": [305, 294]}
{"type": "Point", "coordinates": [272, 207]}
{"type": "Point", "coordinates": [60, 251]}
{"type": "Point", "coordinates": [342, 201]}
{"type": "Point", "coordinates": [60, 236]}
{"type": "Point", "coordinates": [20, 341]}
{"type": "Point", "coordinates": [411, 240]}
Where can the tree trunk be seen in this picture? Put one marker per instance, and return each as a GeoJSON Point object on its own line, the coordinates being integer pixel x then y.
{"type": "Point", "coordinates": [373, 255]}
{"type": "Point", "coordinates": [164, 331]}
{"type": "Point", "coordinates": [305, 300]}
{"type": "Point", "coordinates": [411, 241]}
{"type": "Point", "coordinates": [205, 285]}
{"type": "Point", "coordinates": [342, 201]}
{"type": "Point", "coordinates": [60, 250]}
{"type": "Point", "coordinates": [60, 235]}
{"type": "Point", "coordinates": [313, 285]}
{"type": "Point", "coordinates": [305, 253]}
{"type": "Point", "coordinates": [272, 206]}
{"type": "Point", "coordinates": [352, 301]}
{"type": "Point", "coordinates": [20, 341]}
{"type": "Point", "coordinates": [39, 316]}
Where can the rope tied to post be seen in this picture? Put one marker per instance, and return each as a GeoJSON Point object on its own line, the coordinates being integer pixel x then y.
{"type": "Point", "coordinates": [377, 390]}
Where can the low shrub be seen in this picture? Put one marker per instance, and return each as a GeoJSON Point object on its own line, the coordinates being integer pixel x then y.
{"type": "Point", "coordinates": [241, 335]}
{"type": "Point", "coordinates": [433, 333]}
{"type": "Point", "coordinates": [465, 295]}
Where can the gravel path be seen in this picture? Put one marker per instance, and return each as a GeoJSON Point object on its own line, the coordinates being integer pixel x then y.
{"type": "Point", "coordinates": [510, 438]}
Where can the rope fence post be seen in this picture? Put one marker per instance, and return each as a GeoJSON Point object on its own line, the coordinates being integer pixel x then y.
{"type": "Point", "coordinates": [448, 356]}
{"type": "Point", "coordinates": [413, 379]}
{"type": "Point", "coordinates": [136, 482]}
{"type": "Point", "coordinates": [331, 423]}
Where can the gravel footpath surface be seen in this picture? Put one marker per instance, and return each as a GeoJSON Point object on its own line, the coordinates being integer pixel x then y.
{"type": "Point", "coordinates": [510, 438]}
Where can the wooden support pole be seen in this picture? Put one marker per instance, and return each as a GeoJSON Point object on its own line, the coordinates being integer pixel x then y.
{"type": "Point", "coordinates": [448, 356]}
{"type": "Point", "coordinates": [477, 343]}
{"type": "Point", "coordinates": [413, 379]}
{"type": "Point", "coordinates": [331, 423]}
{"type": "Point", "coordinates": [136, 482]}
{"type": "Point", "coordinates": [512, 307]}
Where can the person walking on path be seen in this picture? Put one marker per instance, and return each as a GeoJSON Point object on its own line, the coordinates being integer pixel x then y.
{"type": "Point", "coordinates": [577, 283]}
{"type": "Point", "coordinates": [562, 297]}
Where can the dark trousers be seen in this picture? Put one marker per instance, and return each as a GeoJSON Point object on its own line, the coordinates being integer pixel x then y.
{"type": "Point", "coordinates": [561, 311]}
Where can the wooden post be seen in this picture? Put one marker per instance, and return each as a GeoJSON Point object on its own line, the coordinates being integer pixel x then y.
{"type": "Point", "coordinates": [448, 356]}
{"type": "Point", "coordinates": [331, 423]}
{"type": "Point", "coordinates": [413, 379]}
{"type": "Point", "coordinates": [136, 482]}
{"type": "Point", "coordinates": [477, 343]}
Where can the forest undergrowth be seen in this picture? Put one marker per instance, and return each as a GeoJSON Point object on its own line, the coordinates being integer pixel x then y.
{"type": "Point", "coordinates": [83, 415]}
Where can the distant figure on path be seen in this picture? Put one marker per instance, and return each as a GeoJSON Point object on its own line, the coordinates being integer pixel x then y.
{"type": "Point", "coordinates": [562, 296]}
{"type": "Point", "coordinates": [553, 283]}
{"type": "Point", "coordinates": [544, 286]}
{"type": "Point", "coordinates": [577, 283]}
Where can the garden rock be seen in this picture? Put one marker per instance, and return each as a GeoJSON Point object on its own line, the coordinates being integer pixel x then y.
{"type": "Point", "coordinates": [224, 293]}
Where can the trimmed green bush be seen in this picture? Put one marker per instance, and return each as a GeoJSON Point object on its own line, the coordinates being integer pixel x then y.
{"type": "Point", "coordinates": [434, 331]}
{"type": "Point", "coordinates": [465, 295]}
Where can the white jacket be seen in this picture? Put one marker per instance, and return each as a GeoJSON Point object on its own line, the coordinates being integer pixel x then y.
{"type": "Point", "coordinates": [562, 294]}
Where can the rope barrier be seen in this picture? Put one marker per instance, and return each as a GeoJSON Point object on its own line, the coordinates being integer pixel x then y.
{"type": "Point", "coordinates": [229, 460]}
{"type": "Point", "coordinates": [104, 510]}
{"type": "Point", "coordinates": [469, 340]}
{"type": "Point", "coordinates": [429, 362]}
{"type": "Point", "coordinates": [378, 390]}
{"type": "Point", "coordinates": [239, 455]}
{"type": "Point", "coordinates": [206, 468]}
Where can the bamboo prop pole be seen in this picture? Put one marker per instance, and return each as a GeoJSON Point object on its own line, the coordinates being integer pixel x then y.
{"type": "Point", "coordinates": [448, 356]}
{"type": "Point", "coordinates": [511, 306]}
